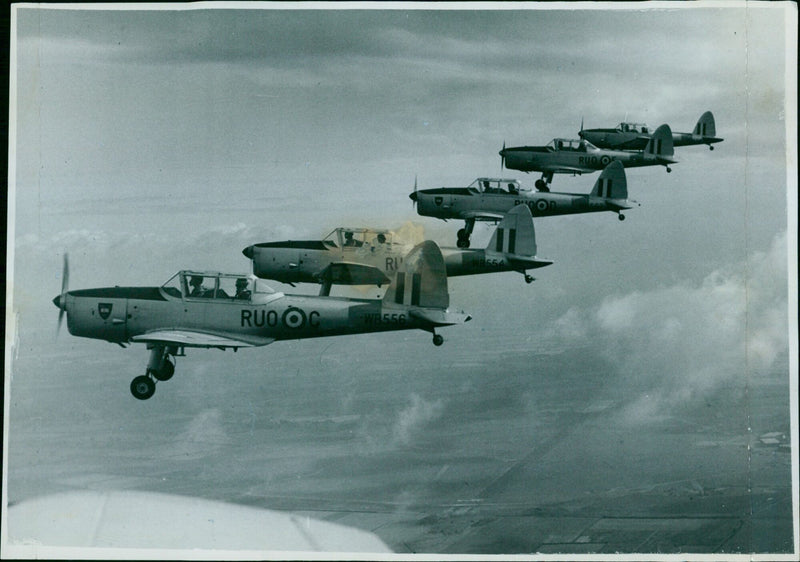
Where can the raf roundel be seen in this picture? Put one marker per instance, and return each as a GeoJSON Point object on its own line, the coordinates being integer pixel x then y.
{"type": "Point", "coordinates": [541, 205]}
{"type": "Point", "coordinates": [294, 318]}
{"type": "Point", "coordinates": [604, 160]}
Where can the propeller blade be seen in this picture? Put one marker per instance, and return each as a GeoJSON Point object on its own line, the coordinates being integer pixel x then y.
{"type": "Point", "coordinates": [414, 199]}
{"type": "Point", "coordinates": [503, 158]}
{"type": "Point", "coordinates": [62, 299]}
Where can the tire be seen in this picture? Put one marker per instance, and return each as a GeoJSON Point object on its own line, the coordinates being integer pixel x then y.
{"type": "Point", "coordinates": [438, 340]}
{"type": "Point", "coordinates": [142, 387]}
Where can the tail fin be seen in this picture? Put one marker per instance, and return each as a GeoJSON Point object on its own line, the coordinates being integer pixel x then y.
{"type": "Point", "coordinates": [660, 144]}
{"type": "Point", "coordinates": [421, 280]}
{"type": "Point", "coordinates": [705, 125]}
{"type": "Point", "coordinates": [515, 233]}
{"type": "Point", "coordinates": [612, 182]}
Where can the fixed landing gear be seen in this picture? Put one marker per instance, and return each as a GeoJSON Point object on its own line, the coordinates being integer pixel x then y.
{"type": "Point", "coordinates": [621, 217]}
{"type": "Point", "coordinates": [541, 185]}
{"type": "Point", "coordinates": [438, 340]}
{"type": "Point", "coordinates": [159, 368]}
{"type": "Point", "coordinates": [710, 147]}
{"type": "Point", "coordinates": [464, 233]}
{"type": "Point", "coordinates": [669, 170]}
{"type": "Point", "coordinates": [529, 279]}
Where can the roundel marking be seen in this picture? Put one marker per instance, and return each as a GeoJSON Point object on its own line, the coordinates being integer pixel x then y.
{"type": "Point", "coordinates": [605, 160]}
{"type": "Point", "coordinates": [294, 318]}
{"type": "Point", "coordinates": [541, 205]}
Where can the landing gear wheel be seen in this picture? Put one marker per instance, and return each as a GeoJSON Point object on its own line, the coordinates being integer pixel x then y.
{"type": "Point", "coordinates": [166, 371]}
{"type": "Point", "coordinates": [710, 147]}
{"type": "Point", "coordinates": [142, 387]}
{"type": "Point", "coordinates": [669, 170]}
{"type": "Point", "coordinates": [461, 243]}
{"type": "Point", "coordinates": [528, 279]}
{"type": "Point", "coordinates": [541, 185]}
{"type": "Point", "coordinates": [438, 339]}
{"type": "Point", "coordinates": [621, 217]}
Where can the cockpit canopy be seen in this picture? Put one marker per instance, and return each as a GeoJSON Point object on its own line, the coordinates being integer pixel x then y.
{"type": "Point", "coordinates": [633, 128]}
{"type": "Point", "coordinates": [572, 145]}
{"type": "Point", "coordinates": [213, 285]}
{"type": "Point", "coordinates": [495, 185]}
{"type": "Point", "coordinates": [359, 237]}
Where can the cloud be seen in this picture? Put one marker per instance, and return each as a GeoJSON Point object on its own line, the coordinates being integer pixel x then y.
{"type": "Point", "coordinates": [686, 342]}
{"type": "Point", "coordinates": [410, 420]}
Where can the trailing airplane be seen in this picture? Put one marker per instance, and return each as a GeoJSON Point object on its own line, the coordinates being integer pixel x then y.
{"type": "Point", "coordinates": [487, 199]}
{"type": "Point", "coordinates": [634, 136]}
{"type": "Point", "coordinates": [568, 156]}
{"type": "Point", "coordinates": [217, 310]}
{"type": "Point", "coordinates": [360, 256]}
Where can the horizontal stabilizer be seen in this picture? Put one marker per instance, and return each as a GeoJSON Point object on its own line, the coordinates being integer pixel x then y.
{"type": "Point", "coordinates": [612, 183]}
{"type": "Point", "coordinates": [705, 125]}
{"type": "Point", "coordinates": [191, 338]}
{"type": "Point", "coordinates": [660, 144]}
{"type": "Point", "coordinates": [421, 280]}
{"type": "Point", "coordinates": [346, 273]}
{"type": "Point", "coordinates": [440, 317]}
{"type": "Point", "coordinates": [515, 233]}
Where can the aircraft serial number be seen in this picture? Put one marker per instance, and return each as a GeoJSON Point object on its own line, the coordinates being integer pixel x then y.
{"type": "Point", "coordinates": [292, 318]}
{"type": "Point", "coordinates": [386, 318]}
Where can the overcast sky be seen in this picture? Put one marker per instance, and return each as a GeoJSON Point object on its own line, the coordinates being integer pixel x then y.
{"type": "Point", "coordinates": [153, 140]}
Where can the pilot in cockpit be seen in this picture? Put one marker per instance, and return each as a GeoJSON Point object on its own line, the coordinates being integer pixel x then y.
{"type": "Point", "coordinates": [196, 282]}
{"type": "Point", "coordinates": [242, 292]}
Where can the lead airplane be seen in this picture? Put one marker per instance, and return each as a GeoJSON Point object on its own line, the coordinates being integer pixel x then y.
{"type": "Point", "coordinates": [571, 156]}
{"type": "Point", "coordinates": [487, 199]}
{"type": "Point", "coordinates": [360, 256]}
{"type": "Point", "coordinates": [634, 136]}
{"type": "Point", "coordinates": [228, 311]}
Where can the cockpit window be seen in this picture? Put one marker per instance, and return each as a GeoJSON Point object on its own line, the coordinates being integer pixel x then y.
{"type": "Point", "coordinates": [173, 286]}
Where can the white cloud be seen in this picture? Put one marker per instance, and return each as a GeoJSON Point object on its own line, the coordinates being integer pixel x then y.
{"type": "Point", "coordinates": [690, 340]}
{"type": "Point", "coordinates": [415, 416]}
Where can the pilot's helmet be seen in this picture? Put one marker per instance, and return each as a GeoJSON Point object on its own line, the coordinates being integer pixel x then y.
{"type": "Point", "coordinates": [381, 238]}
{"type": "Point", "coordinates": [196, 280]}
{"type": "Point", "coordinates": [241, 283]}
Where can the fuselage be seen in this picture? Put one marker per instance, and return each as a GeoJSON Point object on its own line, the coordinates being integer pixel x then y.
{"type": "Point", "coordinates": [616, 139]}
{"type": "Point", "coordinates": [304, 262]}
{"type": "Point", "coordinates": [118, 314]}
{"type": "Point", "coordinates": [583, 160]}
{"type": "Point", "coordinates": [461, 203]}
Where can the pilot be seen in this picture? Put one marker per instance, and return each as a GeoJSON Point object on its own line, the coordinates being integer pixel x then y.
{"type": "Point", "coordinates": [348, 239]}
{"type": "Point", "coordinates": [512, 188]}
{"type": "Point", "coordinates": [196, 283]}
{"type": "Point", "coordinates": [242, 292]}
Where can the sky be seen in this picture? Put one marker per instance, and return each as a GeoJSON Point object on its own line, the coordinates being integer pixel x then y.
{"type": "Point", "coordinates": [148, 141]}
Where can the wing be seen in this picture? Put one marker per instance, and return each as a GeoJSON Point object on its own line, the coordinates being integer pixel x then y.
{"type": "Point", "coordinates": [195, 338]}
{"type": "Point", "coordinates": [567, 169]}
{"type": "Point", "coordinates": [482, 215]}
{"type": "Point", "coordinates": [349, 273]}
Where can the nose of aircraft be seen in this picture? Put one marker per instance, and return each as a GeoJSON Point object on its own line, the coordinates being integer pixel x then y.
{"type": "Point", "coordinates": [57, 301]}
{"type": "Point", "coordinates": [248, 252]}
{"type": "Point", "coordinates": [413, 195]}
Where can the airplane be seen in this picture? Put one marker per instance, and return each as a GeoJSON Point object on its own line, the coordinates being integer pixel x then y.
{"type": "Point", "coordinates": [360, 256]}
{"type": "Point", "coordinates": [221, 311]}
{"type": "Point", "coordinates": [486, 199]}
{"type": "Point", "coordinates": [570, 156]}
{"type": "Point", "coordinates": [634, 136]}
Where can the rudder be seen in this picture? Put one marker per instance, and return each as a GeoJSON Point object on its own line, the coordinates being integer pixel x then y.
{"type": "Point", "coordinates": [705, 125]}
{"type": "Point", "coordinates": [660, 144]}
{"type": "Point", "coordinates": [421, 280]}
{"type": "Point", "coordinates": [612, 183]}
{"type": "Point", "coordinates": [515, 233]}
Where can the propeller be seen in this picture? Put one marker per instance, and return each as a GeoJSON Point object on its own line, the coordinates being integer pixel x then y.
{"type": "Point", "coordinates": [61, 300]}
{"type": "Point", "coordinates": [413, 196]}
{"type": "Point", "coordinates": [503, 158]}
